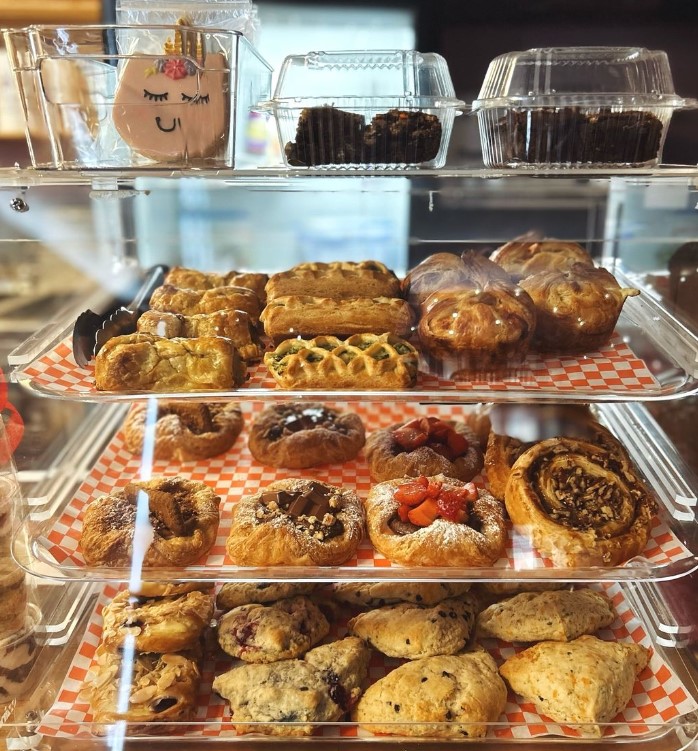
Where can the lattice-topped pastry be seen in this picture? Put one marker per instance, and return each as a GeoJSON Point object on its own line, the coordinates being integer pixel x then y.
{"type": "Point", "coordinates": [363, 361]}
{"type": "Point", "coordinates": [179, 276]}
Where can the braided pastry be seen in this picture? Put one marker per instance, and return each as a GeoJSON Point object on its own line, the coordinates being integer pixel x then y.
{"type": "Point", "coordinates": [364, 361]}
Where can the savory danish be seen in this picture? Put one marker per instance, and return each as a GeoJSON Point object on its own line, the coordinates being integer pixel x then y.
{"type": "Point", "coordinates": [582, 683]}
{"type": "Point", "coordinates": [305, 434]}
{"type": "Point", "coordinates": [435, 521]}
{"type": "Point", "coordinates": [235, 325]}
{"type": "Point", "coordinates": [446, 696]}
{"type": "Point", "coordinates": [377, 594]}
{"type": "Point", "coordinates": [336, 280]}
{"type": "Point", "coordinates": [579, 504]}
{"type": "Point", "coordinates": [142, 362]}
{"type": "Point", "coordinates": [424, 446]}
{"type": "Point", "coordinates": [364, 361]}
{"type": "Point", "coordinates": [182, 430]}
{"type": "Point", "coordinates": [296, 523]}
{"type": "Point", "coordinates": [577, 309]}
{"type": "Point", "coordinates": [178, 276]}
{"type": "Point", "coordinates": [306, 316]}
{"type": "Point", "coordinates": [546, 616]}
{"type": "Point", "coordinates": [523, 257]}
{"type": "Point", "coordinates": [436, 273]}
{"type": "Point", "coordinates": [163, 624]}
{"type": "Point", "coordinates": [190, 302]}
{"type": "Point", "coordinates": [182, 524]}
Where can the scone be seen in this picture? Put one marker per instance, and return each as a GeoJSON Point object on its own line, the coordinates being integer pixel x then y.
{"type": "Point", "coordinates": [305, 434]}
{"type": "Point", "coordinates": [281, 630]}
{"type": "Point", "coordinates": [233, 594]}
{"type": "Point", "coordinates": [165, 624]}
{"type": "Point", "coordinates": [153, 589]}
{"type": "Point", "coordinates": [291, 695]}
{"type": "Point", "coordinates": [413, 631]}
{"type": "Point", "coordinates": [447, 696]}
{"type": "Point", "coordinates": [546, 616]}
{"type": "Point", "coordinates": [377, 594]}
{"type": "Point", "coordinates": [183, 523]}
{"type": "Point", "coordinates": [582, 683]}
{"type": "Point", "coordinates": [181, 430]}
{"type": "Point", "coordinates": [424, 446]}
{"type": "Point", "coordinates": [296, 523]}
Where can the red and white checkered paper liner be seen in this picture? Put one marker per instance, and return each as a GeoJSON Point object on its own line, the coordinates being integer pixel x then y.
{"type": "Point", "coordinates": [237, 473]}
{"type": "Point", "coordinates": [658, 695]}
{"type": "Point", "coordinates": [613, 368]}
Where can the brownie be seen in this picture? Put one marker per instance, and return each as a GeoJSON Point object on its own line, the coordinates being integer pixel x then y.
{"type": "Point", "coordinates": [402, 137]}
{"type": "Point", "coordinates": [326, 135]}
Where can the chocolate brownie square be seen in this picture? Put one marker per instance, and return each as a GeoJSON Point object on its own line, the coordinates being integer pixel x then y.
{"type": "Point", "coordinates": [326, 135]}
{"type": "Point", "coordinates": [402, 137]}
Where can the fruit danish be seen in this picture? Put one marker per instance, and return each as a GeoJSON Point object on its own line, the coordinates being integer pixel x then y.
{"type": "Point", "coordinates": [523, 257]}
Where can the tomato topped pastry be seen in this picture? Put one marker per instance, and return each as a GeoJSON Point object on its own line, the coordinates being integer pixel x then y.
{"type": "Point", "coordinates": [435, 521]}
{"type": "Point", "coordinates": [424, 446]}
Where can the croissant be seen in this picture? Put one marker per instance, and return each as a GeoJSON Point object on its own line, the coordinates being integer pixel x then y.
{"type": "Point", "coordinates": [521, 257]}
{"type": "Point", "coordinates": [576, 310]}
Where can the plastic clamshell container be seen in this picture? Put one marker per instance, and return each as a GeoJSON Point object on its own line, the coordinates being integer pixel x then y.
{"type": "Point", "coordinates": [388, 109]}
{"type": "Point", "coordinates": [136, 96]}
{"type": "Point", "coordinates": [576, 107]}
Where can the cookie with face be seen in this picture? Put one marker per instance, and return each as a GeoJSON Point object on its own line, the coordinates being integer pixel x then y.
{"type": "Point", "coordinates": [173, 108]}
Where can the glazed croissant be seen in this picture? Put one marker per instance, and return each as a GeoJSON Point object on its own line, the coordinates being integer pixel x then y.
{"type": "Point", "coordinates": [523, 257]}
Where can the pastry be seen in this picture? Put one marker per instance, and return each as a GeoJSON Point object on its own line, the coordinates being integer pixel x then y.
{"type": "Point", "coordinates": [546, 616]}
{"type": "Point", "coordinates": [436, 273]}
{"type": "Point", "coordinates": [337, 280]}
{"type": "Point", "coordinates": [235, 325]}
{"type": "Point", "coordinates": [296, 523]}
{"type": "Point", "coordinates": [18, 653]}
{"type": "Point", "coordinates": [291, 695]}
{"type": "Point", "coordinates": [8, 491]}
{"type": "Point", "coordinates": [305, 434]}
{"type": "Point", "coordinates": [152, 589]}
{"type": "Point", "coordinates": [160, 687]}
{"type": "Point", "coordinates": [306, 316]}
{"type": "Point", "coordinates": [447, 696]}
{"type": "Point", "coordinates": [181, 430]}
{"type": "Point", "coordinates": [13, 597]}
{"type": "Point", "coordinates": [182, 524]}
{"type": "Point", "coordinates": [579, 504]}
{"type": "Point", "coordinates": [163, 624]}
{"type": "Point", "coordinates": [424, 446]}
{"type": "Point", "coordinates": [281, 630]}
{"type": "Point", "coordinates": [402, 137]}
{"type": "Point", "coordinates": [233, 594]}
{"type": "Point", "coordinates": [364, 361]}
{"type": "Point", "coordinates": [526, 256]}
{"type": "Point", "coordinates": [142, 362]}
{"type": "Point", "coordinates": [583, 683]}
{"type": "Point", "coordinates": [178, 276]}
{"type": "Point", "coordinates": [191, 302]}
{"type": "Point", "coordinates": [485, 326]}
{"type": "Point", "coordinates": [435, 521]}
{"type": "Point", "coordinates": [377, 594]}
{"type": "Point", "coordinates": [577, 309]}
{"type": "Point", "coordinates": [413, 631]}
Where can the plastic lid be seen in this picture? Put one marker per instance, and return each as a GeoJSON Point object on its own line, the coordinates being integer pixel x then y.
{"type": "Point", "coordinates": [580, 75]}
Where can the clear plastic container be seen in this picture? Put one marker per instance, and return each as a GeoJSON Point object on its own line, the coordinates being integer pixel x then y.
{"type": "Point", "coordinates": [379, 109]}
{"type": "Point", "coordinates": [122, 97]}
{"type": "Point", "coordinates": [576, 106]}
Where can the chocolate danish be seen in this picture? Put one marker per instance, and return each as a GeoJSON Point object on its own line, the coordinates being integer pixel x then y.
{"type": "Point", "coordinates": [305, 434]}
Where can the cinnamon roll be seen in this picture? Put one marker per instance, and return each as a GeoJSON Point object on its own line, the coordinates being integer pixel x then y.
{"type": "Point", "coordinates": [580, 504]}
{"type": "Point", "coordinates": [522, 257]}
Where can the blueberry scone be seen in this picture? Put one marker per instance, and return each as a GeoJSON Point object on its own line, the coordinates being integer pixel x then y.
{"type": "Point", "coordinates": [415, 631]}
{"type": "Point", "coordinates": [377, 594]}
{"type": "Point", "coordinates": [287, 697]}
{"type": "Point", "coordinates": [582, 683]}
{"type": "Point", "coordinates": [447, 696]}
{"type": "Point", "coordinates": [166, 624]}
{"type": "Point", "coordinates": [542, 616]}
{"type": "Point", "coordinates": [280, 630]}
{"type": "Point", "coordinates": [233, 594]}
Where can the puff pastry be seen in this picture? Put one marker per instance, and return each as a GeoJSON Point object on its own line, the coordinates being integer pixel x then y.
{"type": "Point", "coordinates": [577, 309]}
{"type": "Point", "coordinates": [523, 257]}
{"type": "Point", "coordinates": [236, 325]}
{"type": "Point", "coordinates": [546, 616]}
{"type": "Point", "coordinates": [306, 316]}
{"type": "Point", "coordinates": [363, 361]}
{"type": "Point", "coordinates": [170, 299]}
{"type": "Point", "coordinates": [579, 504]}
{"type": "Point", "coordinates": [583, 683]}
{"type": "Point", "coordinates": [179, 276]}
{"type": "Point", "coordinates": [143, 362]}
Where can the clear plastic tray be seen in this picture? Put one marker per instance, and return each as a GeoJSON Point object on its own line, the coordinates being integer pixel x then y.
{"type": "Point", "coordinates": [380, 109]}
{"type": "Point", "coordinates": [135, 96]}
{"type": "Point", "coordinates": [576, 106]}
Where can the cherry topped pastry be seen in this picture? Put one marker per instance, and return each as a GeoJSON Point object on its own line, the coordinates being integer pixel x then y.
{"type": "Point", "coordinates": [424, 446]}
